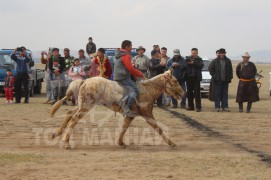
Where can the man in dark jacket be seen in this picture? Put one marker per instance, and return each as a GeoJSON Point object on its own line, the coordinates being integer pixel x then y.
{"type": "Point", "coordinates": [193, 78]}
{"type": "Point", "coordinates": [156, 67]}
{"type": "Point", "coordinates": [22, 76]}
{"type": "Point", "coordinates": [221, 72]}
{"type": "Point", "coordinates": [179, 66]}
{"type": "Point", "coordinates": [91, 47]}
{"type": "Point", "coordinates": [123, 69]}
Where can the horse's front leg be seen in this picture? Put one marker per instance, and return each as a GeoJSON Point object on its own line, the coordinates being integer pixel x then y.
{"type": "Point", "coordinates": [76, 117]}
{"type": "Point", "coordinates": [65, 122]}
{"type": "Point", "coordinates": [127, 122]}
{"type": "Point", "coordinates": [152, 122]}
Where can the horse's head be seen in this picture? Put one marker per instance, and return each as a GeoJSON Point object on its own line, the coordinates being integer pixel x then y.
{"type": "Point", "coordinates": [172, 87]}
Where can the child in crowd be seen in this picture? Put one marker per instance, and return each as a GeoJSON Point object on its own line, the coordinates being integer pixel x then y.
{"type": "Point", "coordinates": [56, 80]}
{"type": "Point", "coordinates": [9, 86]}
{"type": "Point", "coordinates": [76, 72]}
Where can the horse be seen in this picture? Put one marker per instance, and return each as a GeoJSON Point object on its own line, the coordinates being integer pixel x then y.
{"type": "Point", "coordinates": [101, 91]}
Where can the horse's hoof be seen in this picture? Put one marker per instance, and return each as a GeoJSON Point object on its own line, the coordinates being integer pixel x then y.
{"type": "Point", "coordinates": [173, 145]}
{"type": "Point", "coordinates": [67, 146]}
{"type": "Point", "coordinates": [123, 145]}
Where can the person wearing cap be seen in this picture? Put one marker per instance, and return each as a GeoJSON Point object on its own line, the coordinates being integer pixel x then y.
{"type": "Point", "coordinates": [84, 62]}
{"type": "Point", "coordinates": [101, 65]}
{"type": "Point", "coordinates": [221, 71]}
{"type": "Point", "coordinates": [193, 77]}
{"type": "Point", "coordinates": [156, 67]}
{"type": "Point", "coordinates": [141, 61]}
{"type": "Point", "coordinates": [90, 47]}
{"type": "Point", "coordinates": [247, 88]}
{"type": "Point", "coordinates": [123, 69]}
{"type": "Point", "coordinates": [22, 76]}
{"type": "Point", "coordinates": [157, 48]}
{"type": "Point", "coordinates": [179, 66]}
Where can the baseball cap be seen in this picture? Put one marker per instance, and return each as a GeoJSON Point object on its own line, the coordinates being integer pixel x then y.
{"type": "Point", "coordinates": [176, 52]}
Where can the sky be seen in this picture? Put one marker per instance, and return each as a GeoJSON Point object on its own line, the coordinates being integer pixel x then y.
{"type": "Point", "coordinates": [236, 25]}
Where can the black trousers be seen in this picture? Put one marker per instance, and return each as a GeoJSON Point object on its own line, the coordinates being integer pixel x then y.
{"type": "Point", "coordinates": [193, 91]}
{"type": "Point", "coordinates": [21, 79]}
{"type": "Point", "coordinates": [160, 101]}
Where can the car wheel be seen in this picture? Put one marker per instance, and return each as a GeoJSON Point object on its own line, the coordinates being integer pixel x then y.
{"type": "Point", "coordinates": [38, 87]}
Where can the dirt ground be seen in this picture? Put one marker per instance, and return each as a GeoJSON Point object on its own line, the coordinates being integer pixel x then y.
{"type": "Point", "coordinates": [210, 145]}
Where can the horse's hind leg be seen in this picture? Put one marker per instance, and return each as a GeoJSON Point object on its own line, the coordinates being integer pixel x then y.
{"type": "Point", "coordinates": [68, 117]}
{"type": "Point", "coordinates": [126, 124]}
{"type": "Point", "coordinates": [152, 122]}
{"type": "Point", "coordinates": [76, 117]}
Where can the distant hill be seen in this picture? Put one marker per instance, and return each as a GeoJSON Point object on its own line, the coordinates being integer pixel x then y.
{"type": "Point", "coordinates": [263, 56]}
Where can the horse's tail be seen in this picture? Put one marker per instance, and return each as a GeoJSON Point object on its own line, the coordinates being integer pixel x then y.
{"type": "Point", "coordinates": [73, 90]}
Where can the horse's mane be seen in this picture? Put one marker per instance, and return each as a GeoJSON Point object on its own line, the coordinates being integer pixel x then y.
{"type": "Point", "coordinates": [150, 81]}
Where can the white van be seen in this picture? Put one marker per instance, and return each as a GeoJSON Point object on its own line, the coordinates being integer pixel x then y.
{"type": "Point", "coordinates": [206, 77]}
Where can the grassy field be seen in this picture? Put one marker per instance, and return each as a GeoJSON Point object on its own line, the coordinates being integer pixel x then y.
{"type": "Point", "coordinates": [210, 145]}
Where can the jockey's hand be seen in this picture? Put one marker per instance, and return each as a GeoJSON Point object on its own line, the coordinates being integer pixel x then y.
{"type": "Point", "coordinates": [144, 78]}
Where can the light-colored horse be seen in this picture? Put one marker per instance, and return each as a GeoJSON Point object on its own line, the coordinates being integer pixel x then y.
{"type": "Point", "coordinates": [100, 91]}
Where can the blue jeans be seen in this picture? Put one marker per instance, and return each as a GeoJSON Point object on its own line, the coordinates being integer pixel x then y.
{"type": "Point", "coordinates": [183, 102]}
{"type": "Point", "coordinates": [133, 91]}
{"type": "Point", "coordinates": [48, 87]}
{"type": "Point", "coordinates": [221, 94]}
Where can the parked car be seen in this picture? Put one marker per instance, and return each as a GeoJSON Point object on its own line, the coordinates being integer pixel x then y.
{"type": "Point", "coordinates": [36, 75]}
{"type": "Point", "coordinates": [206, 78]}
{"type": "Point", "coordinates": [110, 53]}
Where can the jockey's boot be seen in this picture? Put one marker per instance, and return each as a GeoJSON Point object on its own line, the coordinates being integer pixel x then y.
{"type": "Point", "coordinates": [128, 112]}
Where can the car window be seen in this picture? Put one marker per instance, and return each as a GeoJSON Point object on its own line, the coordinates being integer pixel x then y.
{"type": "Point", "coordinates": [5, 59]}
{"type": "Point", "coordinates": [206, 65]}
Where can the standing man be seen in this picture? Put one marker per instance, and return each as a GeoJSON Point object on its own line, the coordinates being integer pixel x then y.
{"type": "Point", "coordinates": [84, 62]}
{"type": "Point", "coordinates": [165, 58]}
{"type": "Point", "coordinates": [221, 71]}
{"type": "Point", "coordinates": [179, 66]}
{"type": "Point", "coordinates": [157, 67]}
{"type": "Point", "coordinates": [45, 60]}
{"type": "Point", "coordinates": [193, 78]}
{"type": "Point", "coordinates": [247, 89]}
{"type": "Point", "coordinates": [123, 69]}
{"type": "Point", "coordinates": [56, 67]}
{"type": "Point", "coordinates": [22, 76]}
{"type": "Point", "coordinates": [141, 61]}
{"type": "Point", "coordinates": [69, 60]}
{"type": "Point", "coordinates": [91, 47]}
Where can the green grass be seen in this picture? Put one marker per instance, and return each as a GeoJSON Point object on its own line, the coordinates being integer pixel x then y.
{"type": "Point", "coordinates": [12, 158]}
